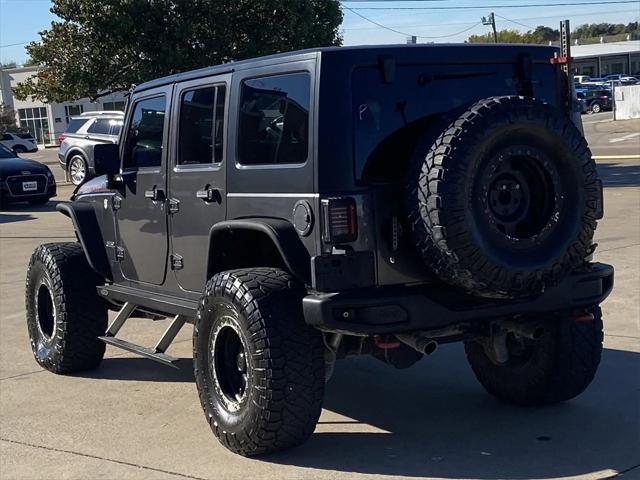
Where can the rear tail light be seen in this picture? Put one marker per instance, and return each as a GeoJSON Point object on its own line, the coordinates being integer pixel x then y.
{"type": "Point", "coordinates": [340, 220]}
{"type": "Point", "coordinates": [61, 139]}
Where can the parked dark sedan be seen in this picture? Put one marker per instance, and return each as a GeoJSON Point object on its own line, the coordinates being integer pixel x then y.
{"type": "Point", "coordinates": [23, 180]}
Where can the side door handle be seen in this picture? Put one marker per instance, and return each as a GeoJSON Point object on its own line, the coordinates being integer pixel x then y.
{"type": "Point", "coordinates": [209, 194]}
{"type": "Point", "coordinates": [155, 194]}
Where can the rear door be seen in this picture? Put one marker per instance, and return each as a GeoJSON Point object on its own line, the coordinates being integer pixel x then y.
{"type": "Point", "coordinates": [141, 213]}
{"type": "Point", "coordinates": [197, 175]}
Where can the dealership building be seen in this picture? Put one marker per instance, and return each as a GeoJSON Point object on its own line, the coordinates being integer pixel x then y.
{"type": "Point", "coordinates": [600, 59]}
{"type": "Point", "coordinates": [46, 121]}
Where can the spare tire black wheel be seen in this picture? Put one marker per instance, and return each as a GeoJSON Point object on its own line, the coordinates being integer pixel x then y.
{"type": "Point", "coordinates": [504, 203]}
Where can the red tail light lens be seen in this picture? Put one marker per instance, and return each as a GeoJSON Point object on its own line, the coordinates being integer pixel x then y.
{"type": "Point", "coordinates": [340, 220]}
{"type": "Point", "coordinates": [61, 139]}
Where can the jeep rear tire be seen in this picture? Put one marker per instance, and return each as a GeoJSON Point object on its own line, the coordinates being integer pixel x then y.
{"type": "Point", "coordinates": [258, 367]}
{"type": "Point", "coordinates": [557, 367]}
{"type": "Point", "coordinates": [65, 315]}
{"type": "Point", "coordinates": [505, 201]}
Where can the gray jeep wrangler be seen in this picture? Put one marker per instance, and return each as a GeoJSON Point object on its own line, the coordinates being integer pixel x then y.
{"type": "Point", "coordinates": [304, 207]}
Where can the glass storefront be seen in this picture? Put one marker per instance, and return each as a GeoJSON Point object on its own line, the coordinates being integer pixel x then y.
{"type": "Point", "coordinates": [35, 120]}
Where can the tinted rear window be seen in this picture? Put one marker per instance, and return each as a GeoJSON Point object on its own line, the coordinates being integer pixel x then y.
{"type": "Point", "coordinates": [75, 124]}
{"type": "Point", "coordinates": [101, 126]}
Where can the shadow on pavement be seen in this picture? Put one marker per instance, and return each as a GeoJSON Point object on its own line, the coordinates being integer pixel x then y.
{"type": "Point", "coordinates": [15, 218]}
{"type": "Point", "coordinates": [435, 420]}
{"type": "Point", "coordinates": [50, 206]}
{"type": "Point", "coordinates": [619, 174]}
{"type": "Point", "coordinates": [141, 370]}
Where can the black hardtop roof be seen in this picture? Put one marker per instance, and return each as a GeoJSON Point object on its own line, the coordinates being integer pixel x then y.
{"type": "Point", "coordinates": [479, 49]}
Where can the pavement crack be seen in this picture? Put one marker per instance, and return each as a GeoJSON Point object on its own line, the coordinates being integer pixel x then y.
{"type": "Point", "coordinates": [617, 248]}
{"type": "Point", "coordinates": [97, 457]}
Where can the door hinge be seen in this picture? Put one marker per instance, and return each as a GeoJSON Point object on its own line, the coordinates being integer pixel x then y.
{"type": "Point", "coordinates": [119, 253]}
{"type": "Point", "coordinates": [174, 205]}
{"type": "Point", "coordinates": [116, 202]}
{"type": "Point", "coordinates": [176, 261]}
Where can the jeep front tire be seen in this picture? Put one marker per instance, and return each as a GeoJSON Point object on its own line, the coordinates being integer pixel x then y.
{"type": "Point", "coordinates": [259, 368]}
{"type": "Point", "coordinates": [65, 314]}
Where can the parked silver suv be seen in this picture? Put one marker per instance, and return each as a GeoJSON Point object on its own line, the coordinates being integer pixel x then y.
{"type": "Point", "coordinates": [82, 134]}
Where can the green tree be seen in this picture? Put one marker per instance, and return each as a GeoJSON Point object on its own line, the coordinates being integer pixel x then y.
{"type": "Point", "coordinates": [101, 46]}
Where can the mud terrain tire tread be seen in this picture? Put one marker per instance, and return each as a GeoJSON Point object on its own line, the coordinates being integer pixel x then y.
{"type": "Point", "coordinates": [288, 401]}
{"type": "Point", "coordinates": [437, 207]}
{"type": "Point", "coordinates": [560, 370]}
{"type": "Point", "coordinates": [81, 313]}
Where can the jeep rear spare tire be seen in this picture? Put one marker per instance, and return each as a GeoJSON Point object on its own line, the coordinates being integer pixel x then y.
{"type": "Point", "coordinates": [505, 201]}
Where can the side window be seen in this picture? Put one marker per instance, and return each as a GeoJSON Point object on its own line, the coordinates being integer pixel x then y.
{"type": "Point", "coordinates": [114, 127]}
{"type": "Point", "coordinates": [6, 137]}
{"type": "Point", "coordinates": [146, 134]}
{"type": "Point", "coordinates": [201, 126]}
{"type": "Point", "coordinates": [274, 120]}
{"type": "Point", "coordinates": [100, 126]}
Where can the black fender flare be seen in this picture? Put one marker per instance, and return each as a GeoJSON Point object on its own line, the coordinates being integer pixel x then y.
{"type": "Point", "coordinates": [282, 233]}
{"type": "Point", "coordinates": [89, 234]}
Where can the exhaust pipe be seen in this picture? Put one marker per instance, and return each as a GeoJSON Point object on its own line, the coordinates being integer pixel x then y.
{"type": "Point", "coordinates": [418, 342]}
{"type": "Point", "coordinates": [530, 330]}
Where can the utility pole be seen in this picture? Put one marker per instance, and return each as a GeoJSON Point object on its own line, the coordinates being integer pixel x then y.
{"type": "Point", "coordinates": [491, 20]}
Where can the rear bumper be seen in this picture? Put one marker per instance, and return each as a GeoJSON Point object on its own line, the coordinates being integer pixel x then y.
{"type": "Point", "coordinates": [403, 309]}
{"type": "Point", "coordinates": [62, 160]}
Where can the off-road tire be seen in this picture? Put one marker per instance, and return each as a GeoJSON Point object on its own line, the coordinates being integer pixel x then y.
{"type": "Point", "coordinates": [284, 389]}
{"type": "Point", "coordinates": [457, 238]}
{"type": "Point", "coordinates": [563, 363]}
{"type": "Point", "coordinates": [61, 298]}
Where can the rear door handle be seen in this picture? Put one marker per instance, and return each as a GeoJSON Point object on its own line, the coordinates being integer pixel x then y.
{"type": "Point", "coordinates": [155, 194]}
{"type": "Point", "coordinates": [209, 194]}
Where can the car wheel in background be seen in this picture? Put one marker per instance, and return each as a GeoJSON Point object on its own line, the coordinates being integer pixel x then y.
{"type": "Point", "coordinates": [77, 167]}
{"type": "Point", "coordinates": [19, 149]}
{"type": "Point", "coordinates": [596, 108]}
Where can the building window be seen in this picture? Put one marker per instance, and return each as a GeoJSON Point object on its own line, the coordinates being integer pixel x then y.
{"type": "Point", "coordinates": [274, 120]}
{"type": "Point", "coordinates": [71, 111]}
{"type": "Point", "coordinates": [36, 121]}
{"type": "Point", "coordinates": [114, 106]}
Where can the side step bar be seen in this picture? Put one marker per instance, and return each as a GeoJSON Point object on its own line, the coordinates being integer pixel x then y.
{"type": "Point", "coordinates": [156, 353]}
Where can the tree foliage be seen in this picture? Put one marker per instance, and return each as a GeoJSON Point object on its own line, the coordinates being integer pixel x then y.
{"type": "Point", "coordinates": [543, 34]}
{"type": "Point", "coordinates": [101, 46]}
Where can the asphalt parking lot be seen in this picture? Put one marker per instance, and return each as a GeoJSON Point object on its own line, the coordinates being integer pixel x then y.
{"type": "Point", "coordinates": [134, 419]}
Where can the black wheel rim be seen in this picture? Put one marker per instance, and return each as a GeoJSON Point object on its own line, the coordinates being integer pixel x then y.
{"type": "Point", "coordinates": [521, 194]}
{"type": "Point", "coordinates": [230, 364]}
{"type": "Point", "coordinates": [45, 312]}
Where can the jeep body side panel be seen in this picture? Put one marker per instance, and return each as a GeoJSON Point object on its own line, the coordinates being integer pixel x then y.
{"type": "Point", "coordinates": [286, 240]}
{"type": "Point", "coordinates": [273, 190]}
{"type": "Point", "coordinates": [92, 232]}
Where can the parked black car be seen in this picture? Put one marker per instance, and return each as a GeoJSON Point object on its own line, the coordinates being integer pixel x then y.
{"type": "Point", "coordinates": [595, 100]}
{"type": "Point", "coordinates": [24, 180]}
{"type": "Point", "coordinates": [304, 207]}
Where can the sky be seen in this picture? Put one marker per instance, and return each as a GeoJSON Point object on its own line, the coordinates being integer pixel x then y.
{"type": "Point", "coordinates": [430, 20]}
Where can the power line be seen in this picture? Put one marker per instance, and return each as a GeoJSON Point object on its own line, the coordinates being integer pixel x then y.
{"type": "Point", "coordinates": [476, 7]}
{"type": "Point", "coordinates": [514, 21]}
{"type": "Point", "coordinates": [409, 34]}
{"type": "Point", "coordinates": [15, 44]}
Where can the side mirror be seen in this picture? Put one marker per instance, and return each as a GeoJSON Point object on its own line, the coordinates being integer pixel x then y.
{"type": "Point", "coordinates": [106, 159]}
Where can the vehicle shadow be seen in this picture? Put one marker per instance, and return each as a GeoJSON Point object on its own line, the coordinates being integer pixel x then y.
{"type": "Point", "coordinates": [435, 420]}
{"type": "Point", "coordinates": [14, 218]}
{"type": "Point", "coordinates": [141, 370]}
{"type": "Point", "coordinates": [50, 206]}
{"type": "Point", "coordinates": [619, 174]}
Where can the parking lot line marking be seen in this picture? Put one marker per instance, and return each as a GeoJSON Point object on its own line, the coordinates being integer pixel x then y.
{"type": "Point", "coordinates": [619, 157]}
{"type": "Point", "coordinates": [624, 137]}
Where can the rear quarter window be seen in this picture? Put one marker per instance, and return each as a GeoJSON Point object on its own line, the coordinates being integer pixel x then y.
{"type": "Point", "coordinates": [75, 124]}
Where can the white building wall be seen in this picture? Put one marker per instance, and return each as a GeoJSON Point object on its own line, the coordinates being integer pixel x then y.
{"type": "Point", "coordinates": [627, 100]}
{"type": "Point", "coordinates": [56, 113]}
